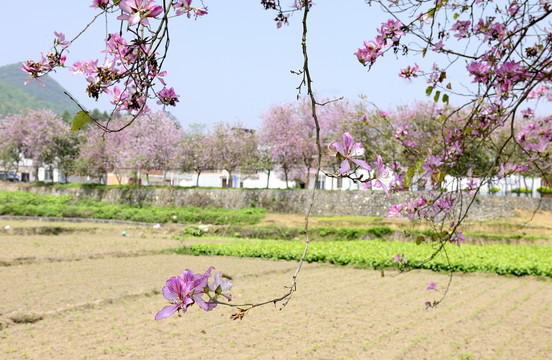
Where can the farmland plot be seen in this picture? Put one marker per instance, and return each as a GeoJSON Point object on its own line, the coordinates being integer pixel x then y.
{"type": "Point", "coordinates": [98, 300]}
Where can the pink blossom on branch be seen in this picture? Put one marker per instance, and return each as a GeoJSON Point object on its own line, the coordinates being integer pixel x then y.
{"type": "Point", "coordinates": [431, 286]}
{"type": "Point", "coordinates": [400, 258]}
{"type": "Point", "coordinates": [190, 288]}
{"type": "Point", "coordinates": [508, 168]}
{"type": "Point", "coordinates": [395, 210]}
{"type": "Point", "coordinates": [138, 11]}
{"type": "Point", "coordinates": [381, 172]}
{"type": "Point", "coordinates": [61, 40]}
{"type": "Point", "coordinates": [410, 71]}
{"type": "Point", "coordinates": [347, 151]}
{"type": "Point", "coordinates": [457, 238]}
{"type": "Point", "coordinates": [102, 4]}
{"type": "Point", "coordinates": [177, 292]}
{"type": "Point", "coordinates": [167, 97]}
{"type": "Point", "coordinates": [461, 28]}
{"type": "Point", "coordinates": [185, 7]}
{"type": "Point", "coordinates": [391, 30]}
{"type": "Point", "coordinates": [371, 51]}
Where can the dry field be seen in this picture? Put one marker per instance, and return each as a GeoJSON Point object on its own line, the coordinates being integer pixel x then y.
{"type": "Point", "coordinates": [85, 291]}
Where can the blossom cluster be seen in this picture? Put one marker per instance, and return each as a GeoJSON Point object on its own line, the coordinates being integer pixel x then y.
{"type": "Point", "coordinates": [347, 153]}
{"type": "Point", "coordinates": [132, 67]}
{"type": "Point", "coordinates": [389, 35]}
{"type": "Point", "coordinates": [190, 288]}
{"type": "Point", "coordinates": [53, 59]}
{"type": "Point", "coordinates": [535, 138]}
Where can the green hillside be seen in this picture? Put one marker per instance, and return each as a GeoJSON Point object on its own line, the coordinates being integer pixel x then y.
{"type": "Point", "coordinates": [14, 96]}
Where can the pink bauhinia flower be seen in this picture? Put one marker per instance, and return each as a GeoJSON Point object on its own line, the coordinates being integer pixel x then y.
{"type": "Point", "coordinates": [138, 11]}
{"type": "Point", "coordinates": [185, 290]}
{"type": "Point", "coordinates": [400, 258]}
{"type": "Point", "coordinates": [35, 70]}
{"type": "Point", "coordinates": [381, 172]}
{"type": "Point", "coordinates": [431, 286]}
{"type": "Point", "coordinates": [167, 97]}
{"type": "Point", "coordinates": [61, 40]}
{"type": "Point", "coordinates": [457, 238]}
{"type": "Point", "coordinates": [395, 210]}
{"type": "Point", "coordinates": [102, 4]}
{"type": "Point", "coordinates": [177, 292]}
{"type": "Point", "coordinates": [217, 287]}
{"type": "Point", "coordinates": [410, 71]}
{"type": "Point", "coordinates": [347, 151]}
{"type": "Point", "coordinates": [185, 7]}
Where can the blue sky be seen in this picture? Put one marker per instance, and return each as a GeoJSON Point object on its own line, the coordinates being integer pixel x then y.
{"type": "Point", "coordinates": [232, 64]}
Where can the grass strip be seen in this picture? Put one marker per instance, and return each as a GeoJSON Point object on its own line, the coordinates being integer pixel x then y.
{"type": "Point", "coordinates": [30, 204]}
{"type": "Point", "coordinates": [499, 258]}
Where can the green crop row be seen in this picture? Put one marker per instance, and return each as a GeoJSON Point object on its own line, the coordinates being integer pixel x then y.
{"type": "Point", "coordinates": [499, 259]}
{"type": "Point", "coordinates": [31, 204]}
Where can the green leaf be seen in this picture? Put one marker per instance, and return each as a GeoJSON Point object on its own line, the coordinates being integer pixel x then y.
{"type": "Point", "coordinates": [445, 98]}
{"type": "Point", "coordinates": [436, 97]}
{"type": "Point", "coordinates": [429, 90]}
{"type": "Point", "coordinates": [408, 177]}
{"type": "Point", "coordinates": [456, 16]}
{"type": "Point", "coordinates": [419, 239]}
{"type": "Point", "coordinates": [431, 13]}
{"type": "Point", "coordinates": [79, 120]}
{"type": "Point", "coordinates": [424, 51]}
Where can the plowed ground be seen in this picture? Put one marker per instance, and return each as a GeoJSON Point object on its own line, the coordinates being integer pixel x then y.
{"type": "Point", "coordinates": [91, 293]}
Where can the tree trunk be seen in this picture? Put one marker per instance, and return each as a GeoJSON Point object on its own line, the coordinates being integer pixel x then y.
{"type": "Point", "coordinates": [197, 179]}
{"type": "Point", "coordinates": [267, 179]}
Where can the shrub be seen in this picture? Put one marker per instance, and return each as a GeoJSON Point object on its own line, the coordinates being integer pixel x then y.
{"type": "Point", "coordinates": [521, 191]}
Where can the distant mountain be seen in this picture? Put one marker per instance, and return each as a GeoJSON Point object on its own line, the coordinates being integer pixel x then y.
{"type": "Point", "coordinates": [14, 96]}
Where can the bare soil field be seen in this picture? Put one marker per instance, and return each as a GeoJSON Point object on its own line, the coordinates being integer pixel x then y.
{"type": "Point", "coordinates": [88, 292]}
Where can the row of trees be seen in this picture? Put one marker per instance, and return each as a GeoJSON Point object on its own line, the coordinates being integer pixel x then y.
{"type": "Point", "coordinates": [285, 143]}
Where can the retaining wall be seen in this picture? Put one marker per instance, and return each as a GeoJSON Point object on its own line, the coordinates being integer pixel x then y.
{"type": "Point", "coordinates": [327, 203]}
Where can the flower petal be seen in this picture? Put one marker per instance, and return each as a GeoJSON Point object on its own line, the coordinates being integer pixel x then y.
{"type": "Point", "coordinates": [344, 167]}
{"type": "Point", "coordinates": [202, 304]}
{"type": "Point", "coordinates": [169, 295]}
{"type": "Point", "coordinates": [338, 147]}
{"type": "Point", "coordinates": [363, 164]}
{"type": "Point", "coordinates": [347, 141]}
{"type": "Point", "coordinates": [166, 312]}
{"type": "Point", "coordinates": [356, 150]}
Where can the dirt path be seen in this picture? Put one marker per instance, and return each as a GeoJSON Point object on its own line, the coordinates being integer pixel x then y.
{"type": "Point", "coordinates": [103, 308]}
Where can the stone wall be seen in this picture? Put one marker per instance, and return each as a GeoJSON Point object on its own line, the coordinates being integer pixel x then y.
{"type": "Point", "coordinates": [336, 203]}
